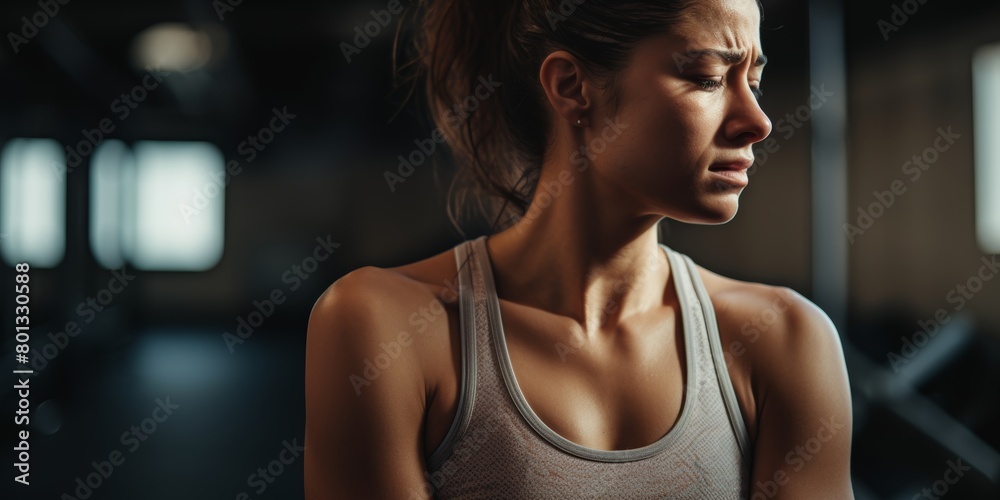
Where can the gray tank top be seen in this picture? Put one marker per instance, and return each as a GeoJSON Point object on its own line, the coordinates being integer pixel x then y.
{"type": "Point", "coordinates": [498, 448]}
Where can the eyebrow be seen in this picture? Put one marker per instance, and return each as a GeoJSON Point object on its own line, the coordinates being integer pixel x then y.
{"type": "Point", "coordinates": [728, 56]}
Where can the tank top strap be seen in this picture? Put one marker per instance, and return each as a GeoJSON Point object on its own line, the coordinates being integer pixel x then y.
{"type": "Point", "coordinates": [470, 303]}
{"type": "Point", "coordinates": [708, 341]}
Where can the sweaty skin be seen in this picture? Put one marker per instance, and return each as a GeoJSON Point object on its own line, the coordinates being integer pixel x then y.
{"type": "Point", "coordinates": [586, 295]}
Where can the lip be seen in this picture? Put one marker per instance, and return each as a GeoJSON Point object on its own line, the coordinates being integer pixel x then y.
{"type": "Point", "coordinates": [735, 178]}
{"type": "Point", "coordinates": [732, 173]}
{"type": "Point", "coordinates": [738, 165]}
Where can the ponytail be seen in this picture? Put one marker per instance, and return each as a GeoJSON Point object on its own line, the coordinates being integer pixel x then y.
{"type": "Point", "coordinates": [463, 54]}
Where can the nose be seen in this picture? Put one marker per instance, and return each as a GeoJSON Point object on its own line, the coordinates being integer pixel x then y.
{"type": "Point", "coordinates": [746, 122]}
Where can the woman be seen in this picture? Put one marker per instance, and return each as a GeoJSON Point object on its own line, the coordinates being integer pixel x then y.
{"type": "Point", "coordinates": [570, 354]}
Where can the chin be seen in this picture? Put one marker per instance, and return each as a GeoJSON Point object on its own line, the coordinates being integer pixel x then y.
{"type": "Point", "coordinates": [720, 218]}
{"type": "Point", "coordinates": [728, 209]}
{"type": "Point", "coordinates": [719, 210]}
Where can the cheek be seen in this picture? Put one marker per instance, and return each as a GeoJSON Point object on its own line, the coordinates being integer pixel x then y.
{"type": "Point", "coordinates": [664, 132]}
{"type": "Point", "coordinates": [663, 142]}
{"type": "Point", "coordinates": [651, 163]}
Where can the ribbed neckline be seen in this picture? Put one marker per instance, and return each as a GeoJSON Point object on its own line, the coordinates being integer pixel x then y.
{"type": "Point", "coordinates": [677, 267]}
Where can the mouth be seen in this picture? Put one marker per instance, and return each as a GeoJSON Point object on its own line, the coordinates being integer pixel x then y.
{"type": "Point", "coordinates": [732, 173]}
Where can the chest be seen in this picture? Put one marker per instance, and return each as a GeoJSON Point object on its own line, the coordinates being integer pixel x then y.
{"type": "Point", "coordinates": [619, 388]}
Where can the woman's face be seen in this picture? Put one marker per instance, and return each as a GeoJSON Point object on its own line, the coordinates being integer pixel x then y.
{"type": "Point", "coordinates": [690, 115]}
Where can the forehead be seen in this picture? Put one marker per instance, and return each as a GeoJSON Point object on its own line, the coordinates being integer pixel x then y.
{"type": "Point", "coordinates": [725, 23]}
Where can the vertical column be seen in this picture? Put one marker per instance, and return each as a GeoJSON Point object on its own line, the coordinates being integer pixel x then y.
{"type": "Point", "coordinates": [827, 69]}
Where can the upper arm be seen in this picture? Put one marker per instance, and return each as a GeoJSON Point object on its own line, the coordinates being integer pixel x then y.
{"type": "Point", "coordinates": [362, 437]}
{"type": "Point", "coordinates": [803, 445]}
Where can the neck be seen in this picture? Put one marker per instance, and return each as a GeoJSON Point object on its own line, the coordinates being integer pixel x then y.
{"type": "Point", "coordinates": [597, 263]}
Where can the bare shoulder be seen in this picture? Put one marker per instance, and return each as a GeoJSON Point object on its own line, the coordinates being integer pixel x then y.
{"type": "Point", "coordinates": [405, 312]}
{"type": "Point", "coordinates": [382, 296]}
{"type": "Point", "coordinates": [786, 361]}
{"type": "Point", "coordinates": [349, 321]}
{"type": "Point", "coordinates": [374, 341]}
{"type": "Point", "coordinates": [359, 304]}
{"type": "Point", "coordinates": [768, 322]}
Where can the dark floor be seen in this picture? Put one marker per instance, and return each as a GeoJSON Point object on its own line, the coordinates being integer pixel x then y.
{"type": "Point", "coordinates": [233, 414]}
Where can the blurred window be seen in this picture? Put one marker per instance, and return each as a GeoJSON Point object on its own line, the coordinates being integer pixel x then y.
{"type": "Point", "coordinates": [159, 206]}
{"type": "Point", "coordinates": [33, 202]}
{"type": "Point", "coordinates": [986, 106]}
{"type": "Point", "coordinates": [111, 163]}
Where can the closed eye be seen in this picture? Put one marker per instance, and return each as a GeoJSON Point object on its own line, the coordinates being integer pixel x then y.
{"type": "Point", "coordinates": [715, 84]}
{"type": "Point", "coordinates": [709, 84]}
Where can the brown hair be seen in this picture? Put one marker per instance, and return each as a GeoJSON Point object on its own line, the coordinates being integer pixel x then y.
{"type": "Point", "coordinates": [457, 44]}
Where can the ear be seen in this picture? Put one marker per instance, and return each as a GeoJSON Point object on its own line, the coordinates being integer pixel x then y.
{"type": "Point", "coordinates": [566, 87]}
